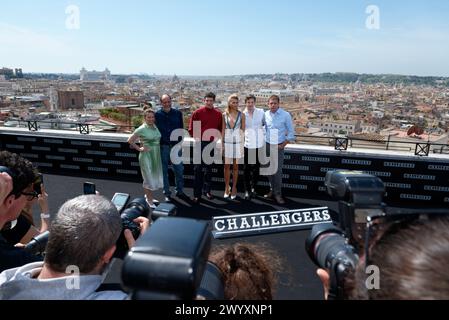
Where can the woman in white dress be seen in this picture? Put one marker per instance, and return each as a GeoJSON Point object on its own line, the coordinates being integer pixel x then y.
{"type": "Point", "coordinates": [233, 139]}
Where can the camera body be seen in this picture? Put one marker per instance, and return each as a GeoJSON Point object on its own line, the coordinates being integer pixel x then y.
{"type": "Point", "coordinates": [136, 208]}
{"type": "Point", "coordinates": [89, 188]}
{"type": "Point", "coordinates": [337, 247]}
{"type": "Point", "coordinates": [169, 262]}
{"type": "Point", "coordinates": [120, 200]}
{"type": "Point", "coordinates": [38, 244]}
{"type": "Point", "coordinates": [329, 249]}
{"type": "Point", "coordinates": [360, 197]}
{"type": "Point", "coordinates": [37, 183]}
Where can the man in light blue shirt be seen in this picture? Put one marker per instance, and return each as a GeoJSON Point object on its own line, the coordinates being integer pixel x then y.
{"type": "Point", "coordinates": [279, 133]}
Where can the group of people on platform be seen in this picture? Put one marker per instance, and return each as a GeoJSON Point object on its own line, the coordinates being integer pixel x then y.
{"type": "Point", "coordinates": [254, 137]}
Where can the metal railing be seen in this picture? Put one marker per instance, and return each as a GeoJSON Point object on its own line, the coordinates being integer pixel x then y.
{"type": "Point", "coordinates": [82, 127]}
{"type": "Point", "coordinates": [420, 148]}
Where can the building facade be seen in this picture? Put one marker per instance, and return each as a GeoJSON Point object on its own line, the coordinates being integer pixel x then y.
{"type": "Point", "coordinates": [86, 75]}
{"type": "Point", "coordinates": [285, 95]}
{"type": "Point", "coordinates": [335, 127]}
{"type": "Point", "coordinates": [70, 100]}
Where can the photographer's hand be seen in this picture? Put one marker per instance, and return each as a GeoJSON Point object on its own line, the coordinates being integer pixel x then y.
{"type": "Point", "coordinates": [325, 279]}
{"type": "Point", "coordinates": [144, 224]}
{"type": "Point", "coordinates": [43, 200]}
{"type": "Point", "coordinates": [45, 211]}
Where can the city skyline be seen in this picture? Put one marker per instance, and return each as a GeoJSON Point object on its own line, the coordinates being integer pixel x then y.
{"type": "Point", "coordinates": [222, 76]}
{"type": "Point", "coordinates": [206, 38]}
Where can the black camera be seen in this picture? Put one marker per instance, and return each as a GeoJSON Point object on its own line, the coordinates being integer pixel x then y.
{"type": "Point", "coordinates": [37, 185]}
{"type": "Point", "coordinates": [38, 244]}
{"type": "Point", "coordinates": [170, 263]}
{"type": "Point", "coordinates": [136, 208]}
{"type": "Point", "coordinates": [89, 188]}
{"type": "Point", "coordinates": [362, 220]}
{"type": "Point", "coordinates": [329, 249]}
{"type": "Point", "coordinates": [337, 247]}
{"type": "Point", "coordinates": [360, 198]}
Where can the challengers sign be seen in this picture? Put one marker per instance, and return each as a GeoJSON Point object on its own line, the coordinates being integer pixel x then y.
{"type": "Point", "coordinates": [269, 222]}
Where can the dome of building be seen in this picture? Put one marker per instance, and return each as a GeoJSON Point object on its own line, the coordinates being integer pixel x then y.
{"type": "Point", "coordinates": [275, 85]}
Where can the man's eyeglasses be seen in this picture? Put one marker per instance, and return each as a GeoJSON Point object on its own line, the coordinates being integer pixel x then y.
{"type": "Point", "coordinates": [30, 195]}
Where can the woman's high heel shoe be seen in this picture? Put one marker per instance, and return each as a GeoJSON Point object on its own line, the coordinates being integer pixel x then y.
{"type": "Point", "coordinates": [227, 193]}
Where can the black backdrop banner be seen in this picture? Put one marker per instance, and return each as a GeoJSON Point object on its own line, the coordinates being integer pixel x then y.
{"type": "Point", "coordinates": [409, 179]}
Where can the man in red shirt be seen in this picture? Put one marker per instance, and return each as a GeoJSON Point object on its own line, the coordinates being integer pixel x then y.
{"type": "Point", "coordinates": [205, 128]}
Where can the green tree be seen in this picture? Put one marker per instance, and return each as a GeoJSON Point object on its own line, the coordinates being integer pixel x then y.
{"type": "Point", "coordinates": [117, 116]}
{"type": "Point", "coordinates": [106, 112]}
{"type": "Point", "coordinates": [137, 121]}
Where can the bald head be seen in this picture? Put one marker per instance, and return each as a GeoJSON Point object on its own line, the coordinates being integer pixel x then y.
{"type": "Point", "coordinates": [166, 102]}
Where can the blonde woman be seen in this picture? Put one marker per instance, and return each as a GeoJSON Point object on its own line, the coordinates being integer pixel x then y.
{"type": "Point", "coordinates": [233, 127]}
{"type": "Point", "coordinates": [149, 155]}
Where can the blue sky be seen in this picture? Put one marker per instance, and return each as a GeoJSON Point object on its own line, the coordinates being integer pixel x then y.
{"type": "Point", "coordinates": [199, 37]}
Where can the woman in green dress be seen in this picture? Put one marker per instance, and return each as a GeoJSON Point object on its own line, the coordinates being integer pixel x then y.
{"type": "Point", "coordinates": [149, 155]}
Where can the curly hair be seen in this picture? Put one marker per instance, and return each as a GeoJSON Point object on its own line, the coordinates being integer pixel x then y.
{"type": "Point", "coordinates": [24, 171]}
{"type": "Point", "coordinates": [249, 271]}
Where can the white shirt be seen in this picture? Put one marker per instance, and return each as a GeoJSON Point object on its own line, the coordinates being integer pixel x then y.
{"type": "Point", "coordinates": [254, 132]}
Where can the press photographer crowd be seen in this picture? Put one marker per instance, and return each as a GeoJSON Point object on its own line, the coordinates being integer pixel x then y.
{"type": "Point", "coordinates": [166, 257]}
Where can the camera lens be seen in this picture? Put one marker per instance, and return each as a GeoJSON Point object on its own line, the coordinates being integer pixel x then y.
{"type": "Point", "coordinates": [136, 208]}
{"type": "Point", "coordinates": [328, 248]}
{"type": "Point", "coordinates": [327, 243]}
{"type": "Point", "coordinates": [313, 240]}
{"type": "Point", "coordinates": [37, 244]}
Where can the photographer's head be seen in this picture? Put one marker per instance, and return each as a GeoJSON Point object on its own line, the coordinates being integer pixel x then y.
{"type": "Point", "coordinates": [406, 261]}
{"type": "Point", "coordinates": [23, 175]}
{"type": "Point", "coordinates": [249, 271]}
{"type": "Point", "coordinates": [412, 258]}
{"type": "Point", "coordinates": [83, 234]}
